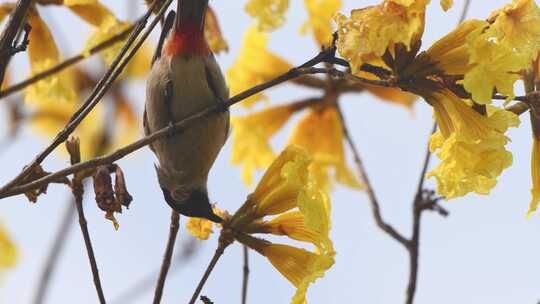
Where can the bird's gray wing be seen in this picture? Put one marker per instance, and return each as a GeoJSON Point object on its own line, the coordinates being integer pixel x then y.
{"type": "Point", "coordinates": [216, 83]}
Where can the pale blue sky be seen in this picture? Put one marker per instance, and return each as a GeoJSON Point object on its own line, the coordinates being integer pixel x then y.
{"type": "Point", "coordinates": [484, 252]}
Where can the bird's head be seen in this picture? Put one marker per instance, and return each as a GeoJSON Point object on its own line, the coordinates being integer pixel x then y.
{"type": "Point", "coordinates": [187, 37]}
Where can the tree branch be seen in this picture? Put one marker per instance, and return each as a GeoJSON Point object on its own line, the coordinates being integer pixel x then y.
{"type": "Point", "coordinates": [99, 91]}
{"type": "Point", "coordinates": [391, 231]}
{"type": "Point", "coordinates": [179, 126]}
{"type": "Point", "coordinates": [66, 63]}
{"type": "Point", "coordinates": [7, 39]}
{"type": "Point", "coordinates": [245, 274]}
{"type": "Point", "coordinates": [217, 255]}
{"type": "Point", "coordinates": [173, 232]}
{"type": "Point", "coordinates": [54, 253]}
{"type": "Point", "coordinates": [78, 193]}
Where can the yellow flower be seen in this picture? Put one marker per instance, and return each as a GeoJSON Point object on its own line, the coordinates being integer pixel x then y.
{"type": "Point", "coordinates": [106, 27]}
{"type": "Point", "coordinates": [494, 65]}
{"type": "Point", "coordinates": [285, 179]}
{"type": "Point", "coordinates": [299, 266]}
{"type": "Point", "coordinates": [8, 251]}
{"type": "Point", "coordinates": [450, 54]}
{"type": "Point", "coordinates": [287, 185]}
{"type": "Point", "coordinates": [270, 14]}
{"type": "Point", "coordinates": [50, 117]}
{"type": "Point", "coordinates": [320, 22]}
{"type": "Point", "coordinates": [254, 65]}
{"type": "Point", "coordinates": [320, 133]}
{"type": "Point", "coordinates": [213, 34]}
{"type": "Point", "coordinates": [488, 55]}
{"type": "Point", "coordinates": [447, 4]}
{"type": "Point", "coordinates": [250, 135]}
{"type": "Point", "coordinates": [199, 227]}
{"type": "Point", "coordinates": [372, 30]}
{"type": "Point", "coordinates": [44, 54]}
{"type": "Point", "coordinates": [535, 175]}
{"type": "Point", "coordinates": [518, 26]}
{"type": "Point", "coordinates": [470, 146]}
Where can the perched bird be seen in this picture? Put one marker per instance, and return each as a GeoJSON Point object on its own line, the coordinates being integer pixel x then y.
{"type": "Point", "coordinates": [186, 79]}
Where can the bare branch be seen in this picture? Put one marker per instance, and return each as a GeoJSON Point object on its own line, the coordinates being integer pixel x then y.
{"type": "Point", "coordinates": [179, 126]}
{"type": "Point", "coordinates": [217, 255]}
{"type": "Point", "coordinates": [391, 231]}
{"type": "Point", "coordinates": [173, 233]}
{"type": "Point", "coordinates": [54, 253]}
{"type": "Point", "coordinates": [99, 91]}
{"type": "Point", "coordinates": [66, 63]}
{"type": "Point", "coordinates": [245, 276]}
{"type": "Point", "coordinates": [78, 191]}
{"type": "Point", "coordinates": [7, 39]}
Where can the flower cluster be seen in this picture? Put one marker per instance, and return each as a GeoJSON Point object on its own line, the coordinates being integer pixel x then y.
{"type": "Point", "coordinates": [458, 76]}
{"type": "Point", "coordinates": [286, 202]}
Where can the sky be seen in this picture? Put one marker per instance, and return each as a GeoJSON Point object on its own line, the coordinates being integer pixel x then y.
{"type": "Point", "coordinates": [484, 252]}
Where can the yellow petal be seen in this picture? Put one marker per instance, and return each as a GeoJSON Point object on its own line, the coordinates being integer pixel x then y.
{"type": "Point", "coordinates": [320, 133]}
{"type": "Point", "coordinates": [320, 22]}
{"type": "Point", "coordinates": [535, 176]}
{"type": "Point", "coordinates": [372, 30]}
{"type": "Point", "coordinates": [447, 4]}
{"type": "Point", "coordinates": [282, 183]}
{"type": "Point", "coordinates": [518, 26]}
{"type": "Point", "coordinates": [299, 266]}
{"type": "Point", "coordinates": [450, 53]}
{"type": "Point", "coordinates": [254, 65]}
{"type": "Point", "coordinates": [8, 251]}
{"type": "Point", "coordinates": [213, 34]}
{"type": "Point", "coordinates": [270, 14]}
{"type": "Point", "coordinates": [495, 65]}
{"type": "Point", "coordinates": [49, 118]}
{"type": "Point", "coordinates": [5, 9]}
{"type": "Point", "coordinates": [43, 55]}
{"type": "Point", "coordinates": [250, 135]}
{"type": "Point", "coordinates": [199, 227]}
{"type": "Point", "coordinates": [471, 146]}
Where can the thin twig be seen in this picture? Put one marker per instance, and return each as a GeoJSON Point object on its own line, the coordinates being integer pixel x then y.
{"type": "Point", "coordinates": [99, 91]}
{"type": "Point", "coordinates": [245, 272]}
{"type": "Point", "coordinates": [417, 214]}
{"type": "Point", "coordinates": [177, 127]}
{"type": "Point", "coordinates": [66, 63]}
{"type": "Point", "coordinates": [389, 229]}
{"type": "Point", "coordinates": [54, 253]}
{"type": "Point", "coordinates": [173, 232]}
{"type": "Point", "coordinates": [78, 193]}
{"type": "Point", "coordinates": [14, 24]}
{"type": "Point", "coordinates": [419, 205]}
{"type": "Point", "coordinates": [219, 252]}
{"type": "Point", "coordinates": [183, 253]}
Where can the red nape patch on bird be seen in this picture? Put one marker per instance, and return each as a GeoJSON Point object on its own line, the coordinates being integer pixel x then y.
{"type": "Point", "coordinates": [187, 40]}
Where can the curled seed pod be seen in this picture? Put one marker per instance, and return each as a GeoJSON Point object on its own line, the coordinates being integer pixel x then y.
{"type": "Point", "coordinates": [105, 198]}
{"type": "Point", "coordinates": [122, 195]}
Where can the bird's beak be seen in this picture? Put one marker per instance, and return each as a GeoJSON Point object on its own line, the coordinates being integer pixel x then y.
{"type": "Point", "coordinates": [191, 12]}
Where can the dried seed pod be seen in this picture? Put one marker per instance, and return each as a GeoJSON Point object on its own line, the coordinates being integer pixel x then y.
{"type": "Point", "coordinates": [38, 173]}
{"type": "Point", "coordinates": [122, 195]}
{"type": "Point", "coordinates": [105, 198]}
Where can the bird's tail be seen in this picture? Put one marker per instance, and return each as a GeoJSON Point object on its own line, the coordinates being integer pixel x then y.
{"type": "Point", "coordinates": [191, 12]}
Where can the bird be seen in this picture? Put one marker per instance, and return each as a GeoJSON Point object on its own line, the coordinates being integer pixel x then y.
{"type": "Point", "coordinates": [185, 79]}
